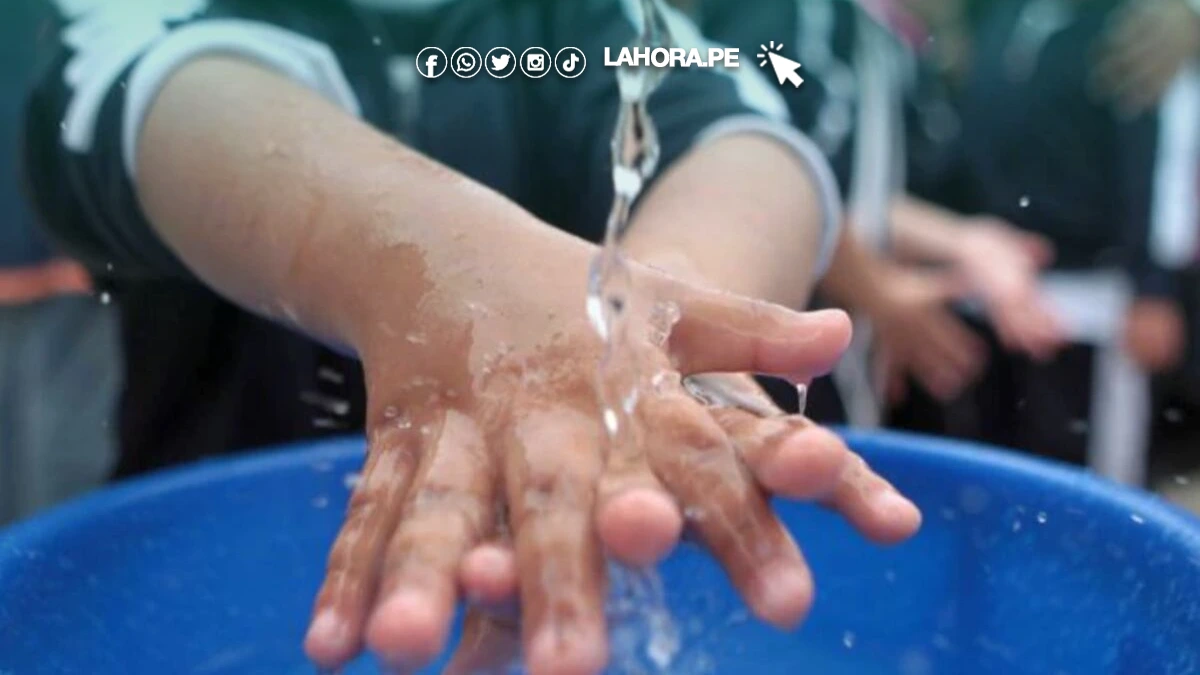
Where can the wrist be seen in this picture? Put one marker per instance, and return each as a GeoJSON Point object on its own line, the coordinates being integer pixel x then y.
{"type": "Point", "coordinates": [504, 280]}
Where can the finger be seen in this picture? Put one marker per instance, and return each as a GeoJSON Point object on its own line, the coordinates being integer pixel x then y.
{"type": "Point", "coordinates": [720, 332]}
{"type": "Point", "coordinates": [489, 646]}
{"type": "Point", "coordinates": [636, 519]}
{"type": "Point", "coordinates": [551, 471]}
{"type": "Point", "coordinates": [957, 345]}
{"type": "Point", "coordinates": [352, 575]}
{"type": "Point", "coordinates": [696, 461]}
{"type": "Point", "coordinates": [488, 576]}
{"type": "Point", "coordinates": [789, 456]}
{"type": "Point", "coordinates": [448, 512]}
{"type": "Point", "coordinates": [873, 506]}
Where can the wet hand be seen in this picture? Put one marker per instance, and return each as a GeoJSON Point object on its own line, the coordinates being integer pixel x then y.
{"type": "Point", "coordinates": [488, 433]}
{"type": "Point", "coordinates": [1147, 44]}
{"type": "Point", "coordinates": [786, 456]}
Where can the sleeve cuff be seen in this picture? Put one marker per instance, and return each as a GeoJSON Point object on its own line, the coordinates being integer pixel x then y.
{"type": "Point", "coordinates": [810, 156]}
{"type": "Point", "coordinates": [301, 59]}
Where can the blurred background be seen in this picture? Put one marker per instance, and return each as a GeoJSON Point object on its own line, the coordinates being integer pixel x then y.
{"type": "Point", "coordinates": [1022, 180]}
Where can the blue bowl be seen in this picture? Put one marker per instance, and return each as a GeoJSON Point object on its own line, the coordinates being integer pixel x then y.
{"type": "Point", "coordinates": [1021, 567]}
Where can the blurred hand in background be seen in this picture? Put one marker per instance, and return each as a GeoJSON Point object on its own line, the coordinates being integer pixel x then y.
{"type": "Point", "coordinates": [1155, 334]}
{"type": "Point", "coordinates": [999, 264]}
{"type": "Point", "coordinates": [919, 336]}
{"type": "Point", "coordinates": [1146, 45]}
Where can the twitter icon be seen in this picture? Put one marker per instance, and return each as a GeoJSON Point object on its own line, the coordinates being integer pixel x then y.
{"type": "Point", "coordinates": [500, 62]}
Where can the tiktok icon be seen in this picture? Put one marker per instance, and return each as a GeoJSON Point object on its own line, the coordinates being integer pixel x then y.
{"type": "Point", "coordinates": [431, 62]}
{"type": "Point", "coordinates": [570, 62]}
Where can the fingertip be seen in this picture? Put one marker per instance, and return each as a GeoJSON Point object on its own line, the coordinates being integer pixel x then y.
{"type": "Point", "coordinates": [488, 574]}
{"type": "Point", "coordinates": [783, 594]}
{"type": "Point", "coordinates": [898, 518]}
{"type": "Point", "coordinates": [582, 652]}
{"type": "Point", "coordinates": [330, 642]}
{"type": "Point", "coordinates": [806, 465]}
{"type": "Point", "coordinates": [409, 628]}
{"type": "Point", "coordinates": [838, 323]}
{"type": "Point", "coordinates": [639, 526]}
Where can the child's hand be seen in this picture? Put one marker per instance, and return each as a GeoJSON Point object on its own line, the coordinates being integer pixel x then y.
{"type": "Point", "coordinates": [508, 436]}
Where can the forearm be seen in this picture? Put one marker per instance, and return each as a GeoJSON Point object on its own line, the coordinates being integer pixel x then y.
{"type": "Point", "coordinates": [741, 213]}
{"type": "Point", "coordinates": [855, 280]}
{"type": "Point", "coordinates": [292, 208]}
{"type": "Point", "coordinates": [923, 232]}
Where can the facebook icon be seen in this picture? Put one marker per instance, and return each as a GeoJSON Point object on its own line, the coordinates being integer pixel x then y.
{"type": "Point", "coordinates": [431, 62]}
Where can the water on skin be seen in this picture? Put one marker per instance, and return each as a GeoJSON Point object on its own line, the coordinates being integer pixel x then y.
{"type": "Point", "coordinates": [645, 637]}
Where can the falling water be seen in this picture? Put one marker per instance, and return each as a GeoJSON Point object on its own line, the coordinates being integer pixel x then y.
{"type": "Point", "coordinates": [645, 635]}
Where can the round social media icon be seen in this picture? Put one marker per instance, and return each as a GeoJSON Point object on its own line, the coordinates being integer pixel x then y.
{"type": "Point", "coordinates": [535, 62]}
{"type": "Point", "coordinates": [500, 62]}
{"type": "Point", "coordinates": [570, 62]}
{"type": "Point", "coordinates": [431, 62]}
{"type": "Point", "coordinates": [466, 62]}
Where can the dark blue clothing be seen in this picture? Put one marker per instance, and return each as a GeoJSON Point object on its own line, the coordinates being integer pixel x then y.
{"type": "Point", "coordinates": [23, 23]}
{"type": "Point", "coordinates": [1042, 151]}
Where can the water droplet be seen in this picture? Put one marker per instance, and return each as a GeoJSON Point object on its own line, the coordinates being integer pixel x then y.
{"type": "Point", "coordinates": [1182, 480]}
{"type": "Point", "coordinates": [611, 423]}
{"type": "Point", "coordinates": [1042, 517]}
{"type": "Point", "coordinates": [323, 466]}
{"type": "Point", "coordinates": [390, 412]}
{"type": "Point", "coordinates": [351, 480]}
{"type": "Point", "coordinates": [1024, 201]}
{"type": "Point", "coordinates": [848, 639]}
{"type": "Point", "coordinates": [949, 513]}
{"type": "Point", "coordinates": [105, 298]}
{"type": "Point", "coordinates": [694, 514]}
{"type": "Point", "coordinates": [376, 40]}
{"type": "Point", "coordinates": [1137, 519]}
{"type": "Point", "coordinates": [1173, 415]}
{"type": "Point", "coordinates": [416, 338]}
{"type": "Point", "coordinates": [108, 266]}
{"type": "Point", "coordinates": [889, 576]}
{"type": "Point", "coordinates": [320, 502]}
{"type": "Point", "coordinates": [1078, 426]}
{"type": "Point", "coordinates": [1016, 526]}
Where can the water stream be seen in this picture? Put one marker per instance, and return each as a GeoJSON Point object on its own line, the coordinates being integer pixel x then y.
{"type": "Point", "coordinates": [645, 637]}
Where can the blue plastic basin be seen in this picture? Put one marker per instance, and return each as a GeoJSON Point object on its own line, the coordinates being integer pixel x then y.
{"type": "Point", "coordinates": [1021, 567]}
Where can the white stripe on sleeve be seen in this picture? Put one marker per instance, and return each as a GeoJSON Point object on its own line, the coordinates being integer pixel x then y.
{"type": "Point", "coordinates": [1175, 211]}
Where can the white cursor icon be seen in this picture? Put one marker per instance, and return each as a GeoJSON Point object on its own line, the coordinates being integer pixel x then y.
{"type": "Point", "coordinates": [785, 68]}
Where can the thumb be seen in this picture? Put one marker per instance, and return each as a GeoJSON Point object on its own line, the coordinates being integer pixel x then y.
{"type": "Point", "coordinates": [722, 332]}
